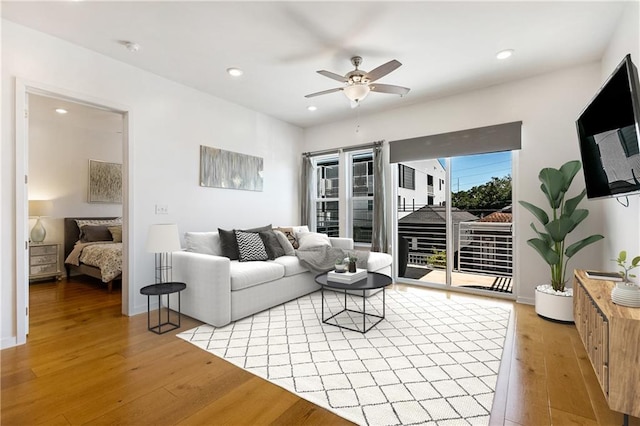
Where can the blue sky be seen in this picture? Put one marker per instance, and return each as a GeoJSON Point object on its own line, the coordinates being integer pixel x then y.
{"type": "Point", "coordinates": [474, 170]}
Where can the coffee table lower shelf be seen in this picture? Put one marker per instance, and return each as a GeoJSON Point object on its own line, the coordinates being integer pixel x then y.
{"type": "Point", "coordinates": [363, 312]}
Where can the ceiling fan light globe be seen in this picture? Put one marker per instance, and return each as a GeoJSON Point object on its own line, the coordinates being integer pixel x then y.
{"type": "Point", "coordinates": [356, 92]}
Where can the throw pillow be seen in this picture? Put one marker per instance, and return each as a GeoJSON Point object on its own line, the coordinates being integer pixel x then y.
{"type": "Point", "coordinates": [116, 233]}
{"type": "Point", "coordinates": [228, 243]}
{"type": "Point", "coordinates": [291, 236]}
{"type": "Point", "coordinates": [203, 242]}
{"type": "Point", "coordinates": [250, 246]}
{"type": "Point", "coordinates": [308, 240]}
{"type": "Point", "coordinates": [92, 233]}
{"type": "Point", "coordinates": [284, 243]}
{"type": "Point", "coordinates": [271, 244]}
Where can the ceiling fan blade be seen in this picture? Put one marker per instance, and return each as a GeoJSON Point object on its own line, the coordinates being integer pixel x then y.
{"type": "Point", "coordinates": [324, 92]}
{"type": "Point", "coordinates": [382, 70]}
{"type": "Point", "coordinates": [333, 75]}
{"type": "Point", "coordinates": [389, 88]}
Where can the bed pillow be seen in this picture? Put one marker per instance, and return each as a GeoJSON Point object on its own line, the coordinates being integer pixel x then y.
{"type": "Point", "coordinates": [308, 240]}
{"type": "Point", "coordinates": [291, 236]}
{"type": "Point", "coordinates": [284, 243]}
{"type": "Point", "coordinates": [116, 233]}
{"type": "Point", "coordinates": [94, 222]}
{"type": "Point", "coordinates": [271, 244]}
{"type": "Point", "coordinates": [93, 233]}
{"type": "Point", "coordinates": [250, 246]}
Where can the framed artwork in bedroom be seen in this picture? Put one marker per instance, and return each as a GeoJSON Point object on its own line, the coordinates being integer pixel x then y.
{"type": "Point", "coordinates": [105, 182]}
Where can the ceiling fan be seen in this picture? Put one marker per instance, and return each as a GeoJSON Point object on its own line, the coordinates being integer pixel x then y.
{"type": "Point", "coordinates": [359, 83]}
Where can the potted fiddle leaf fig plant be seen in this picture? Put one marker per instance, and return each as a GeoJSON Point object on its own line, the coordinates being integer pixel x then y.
{"type": "Point", "coordinates": [559, 219]}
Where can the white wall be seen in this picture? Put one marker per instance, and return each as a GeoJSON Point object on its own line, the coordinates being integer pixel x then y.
{"type": "Point", "coordinates": [169, 123]}
{"type": "Point", "coordinates": [60, 147]}
{"type": "Point", "coordinates": [622, 224]}
{"type": "Point", "coordinates": [548, 106]}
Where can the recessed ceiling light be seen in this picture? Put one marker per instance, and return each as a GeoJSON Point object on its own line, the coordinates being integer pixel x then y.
{"type": "Point", "coordinates": [312, 107]}
{"type": "Point", "coordinates": [61, 111]}
{"type": "Point", "coordinates": [132, 47]}
{"type": "Point", "coordinates": [504, 54]}
{"type": "Point", "coordinates": [235, 72]}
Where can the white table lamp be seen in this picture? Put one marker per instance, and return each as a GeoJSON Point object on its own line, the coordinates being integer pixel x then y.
{"type": "Point", "coordinates": [38, 209]}
{"type": "Point", "coordinates": [163, 239]}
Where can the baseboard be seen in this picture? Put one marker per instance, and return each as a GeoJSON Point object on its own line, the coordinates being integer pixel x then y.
{"type": "Point", "coordinates": [8, 342]}
{"type": "Point", "coordinates": [526, 300]}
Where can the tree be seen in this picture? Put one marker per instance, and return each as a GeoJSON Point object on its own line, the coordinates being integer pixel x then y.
{"type": "Point", "coordinates": [486, 198]}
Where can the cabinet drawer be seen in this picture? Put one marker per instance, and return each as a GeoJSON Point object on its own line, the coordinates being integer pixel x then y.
{"type": "Point", "coordinates": [41, 250]}
{"type": "Point", "coordinates": [43, 269]}
{"type": "Point", "coordinates": [43, 260]}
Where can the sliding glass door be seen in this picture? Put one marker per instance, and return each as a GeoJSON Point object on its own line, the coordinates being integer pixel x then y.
{"type": "Point", "coordinates": [454, 222]}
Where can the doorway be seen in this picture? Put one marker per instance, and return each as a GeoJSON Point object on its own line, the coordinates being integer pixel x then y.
{"type": "Point", "coordinates": [42, 97]}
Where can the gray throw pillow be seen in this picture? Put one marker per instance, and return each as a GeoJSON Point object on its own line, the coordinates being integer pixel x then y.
{"type": "Point", "coordinates": [284, 243]}
{"type": "Point", "coordinates": [271, 243]}
{"type": "Point", "coordinates": [96, 233]}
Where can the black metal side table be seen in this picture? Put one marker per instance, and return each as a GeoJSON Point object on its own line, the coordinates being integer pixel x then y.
{"type": "Point", "coordinates": [159, 290]}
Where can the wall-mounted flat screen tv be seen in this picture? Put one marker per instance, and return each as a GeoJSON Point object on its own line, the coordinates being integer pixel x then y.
{"type": "Point", "coordinates": [609, 132]}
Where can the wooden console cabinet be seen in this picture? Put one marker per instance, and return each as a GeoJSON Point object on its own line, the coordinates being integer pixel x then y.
{"type": "Point", "coordinates": [611, 335]}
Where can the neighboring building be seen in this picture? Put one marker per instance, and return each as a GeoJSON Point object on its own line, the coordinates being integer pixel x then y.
{"type": "Point", "coordinates": [420, 183]}
{"type": "Point", "coordinates": [425, 230]}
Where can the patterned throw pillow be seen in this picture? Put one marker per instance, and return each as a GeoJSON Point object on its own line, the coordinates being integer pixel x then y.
{"type": "Point", "coordinates": [290, 234]}
{"type": "Point", "coordinates": [250, 246]}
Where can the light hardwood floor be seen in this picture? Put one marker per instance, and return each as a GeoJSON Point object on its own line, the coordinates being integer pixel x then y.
{"type": "Point", "coordinates": [84, 363]}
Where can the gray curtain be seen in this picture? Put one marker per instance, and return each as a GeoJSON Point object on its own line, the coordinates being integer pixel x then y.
{"type": "Point", "coordinates": [379, 234]}
{"type": "Point", "coordinates": [306, 190]}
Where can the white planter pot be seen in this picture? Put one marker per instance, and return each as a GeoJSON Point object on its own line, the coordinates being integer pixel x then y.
{"type": "Point", "coordinates": [554, 306]}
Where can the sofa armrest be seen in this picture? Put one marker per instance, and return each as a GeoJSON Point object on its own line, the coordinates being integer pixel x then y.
{"type": "Point", "coordinates": [343, 243]}
{"type": "Point", "coordinates": [208, 294]}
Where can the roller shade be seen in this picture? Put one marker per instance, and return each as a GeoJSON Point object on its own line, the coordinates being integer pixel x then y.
{"type": "Point", "coordinates": [500, 137]}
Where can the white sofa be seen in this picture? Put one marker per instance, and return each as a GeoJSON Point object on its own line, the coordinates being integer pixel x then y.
{"type": "Point", "coordinates": [220, 290]}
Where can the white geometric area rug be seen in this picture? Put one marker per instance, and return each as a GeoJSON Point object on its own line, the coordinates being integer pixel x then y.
{"type": "Point", "coordinates": [432, 360]}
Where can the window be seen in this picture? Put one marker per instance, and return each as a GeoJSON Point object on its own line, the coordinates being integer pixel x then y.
{"type": "Point", "coordinates": [406, 177]}
{"type": "Point", "coordinates": [327, 196]}
{"type": "Point", "coordinates": [362, 197]}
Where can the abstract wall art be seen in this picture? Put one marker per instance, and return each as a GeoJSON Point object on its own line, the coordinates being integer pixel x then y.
{"type": "Point", "coordinates": [105, 182]}
{"type": "Point", "coordinates": [231, 170]}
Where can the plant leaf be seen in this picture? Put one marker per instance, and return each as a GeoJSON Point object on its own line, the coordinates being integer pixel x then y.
{"type": "Point", "coordinates": [544, 237]}
{"type": "Point", "coordinates": [569, 170]}
{"type": "Point", "coordinates": [552, 185]}
{"type": "Point", "coordinates": [571, 204]}
{"type": "Point", "coordinates": [577, 217]}
{"type": "Point", "coordinates": [540, 214]}
{"type": "Point", "coordinates": [549, 256]}
{"type": "Point", "coordinates": [559, 228]}
{"type": "Point", "coordinates": [576, 247]}
{"type": "Point", "coordinates": [635, 261]}
{"type": "Point", "coordinates": [622, 257]}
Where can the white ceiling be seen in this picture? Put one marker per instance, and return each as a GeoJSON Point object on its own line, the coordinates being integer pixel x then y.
{"type": "Point", "coordinates": [445, 47]}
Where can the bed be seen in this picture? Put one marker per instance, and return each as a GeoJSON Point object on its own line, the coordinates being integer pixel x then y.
{"type": "Point", "coordinates": [92, 255]}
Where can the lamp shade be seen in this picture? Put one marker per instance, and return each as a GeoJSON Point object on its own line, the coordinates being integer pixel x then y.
{"type": "Point", "coordinates": [163, 238]}
{"type": "Point", "coordinates": [40, 208]}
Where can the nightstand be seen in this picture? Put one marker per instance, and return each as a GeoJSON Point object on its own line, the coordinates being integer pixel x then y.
{"type": "Point", "coordinates": [44, 261]}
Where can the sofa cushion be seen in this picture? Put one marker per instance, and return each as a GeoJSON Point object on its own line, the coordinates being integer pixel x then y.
{"type": "Point", "coordinates": [249, 274]}
{"type": "Point", "coordinates": [308, 240]}
{"type": "Point", "coordinates": [203, 242]}
{"type": "Point", "coordinates": [271, 243]}
{"type": "Point", "coordinates": [291, 265]}
{"type": "Point", "coordinates": [378, 261]}
{"type": "Point", "coordinates": [250, 246]}
{"type": "Point", "coordinates": [284, 243]}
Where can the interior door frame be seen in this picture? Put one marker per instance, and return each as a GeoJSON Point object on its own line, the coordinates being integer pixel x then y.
{"type": "Point", "coordinates": [23, 88]}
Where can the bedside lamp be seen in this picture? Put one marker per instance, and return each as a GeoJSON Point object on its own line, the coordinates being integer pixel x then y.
{"type": "Point", "coordinates": [38, 209]}
{"type": "Point", "coordinates": [163, 239]}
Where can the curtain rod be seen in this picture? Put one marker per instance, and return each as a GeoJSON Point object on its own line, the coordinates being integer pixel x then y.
{"type": "Point", "coordinates": [346, 149]}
